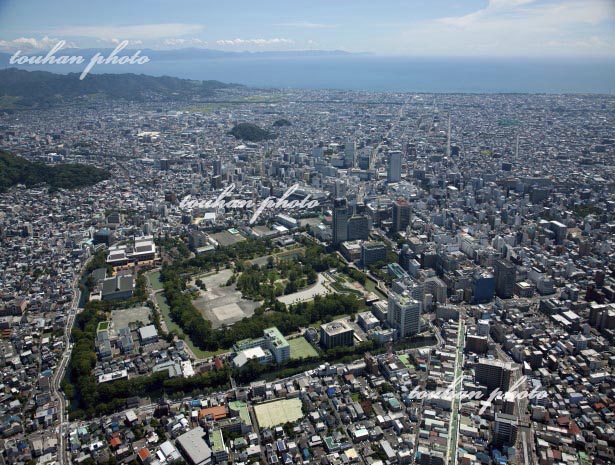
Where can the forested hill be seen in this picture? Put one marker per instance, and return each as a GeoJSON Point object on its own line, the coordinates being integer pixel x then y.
{"type": "Point", "coordinates": [26, 89]}
{"type": "Point", "coordinates": [251, 132]}
{"type": "Point", "coordinates": [16, 170]}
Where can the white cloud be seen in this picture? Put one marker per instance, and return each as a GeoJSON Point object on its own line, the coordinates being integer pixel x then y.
{"type": "Point", "coordinates": [506, 12]}
{"type": "Point", "coordinates": [307, 25]}
{"type": "Point", "coordinates": [517, 27]}
{"type": "Point", "coordinates": [140, 32]}
{"type": "Point", "coordinates": [116, 41]}
{"type": "Point", "coordinates": [257, 42]}
{"type": "Point", "coordinates": [182, 43]}
{"type": "Point", "coordinates": [27, 44]}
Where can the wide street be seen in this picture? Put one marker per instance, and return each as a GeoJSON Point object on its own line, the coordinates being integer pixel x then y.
{"type": "Point", "coordinates": [453, 430]}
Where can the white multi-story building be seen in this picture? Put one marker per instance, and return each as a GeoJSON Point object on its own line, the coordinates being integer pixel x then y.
{"type": "Point", "coordinates": [404, 314]}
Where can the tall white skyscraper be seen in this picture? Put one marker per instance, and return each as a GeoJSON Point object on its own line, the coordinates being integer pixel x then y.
{"type": "Point", "coordinates": [350, 153]}
{"type": "Point", "coordinates": [394, 169]}
{"type": "Point", "coordinates": [404, 314]}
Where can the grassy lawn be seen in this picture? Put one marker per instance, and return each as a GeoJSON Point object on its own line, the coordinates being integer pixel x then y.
{"type": "Point", "coordinates": [406, 360]}
{"type": "Point", "coordinates": [371, 287]}
{"type": "Point", "coordinates": [301, 348]}
{"type": "Point", "coordinates": [276, 413]}
{"type": "Point", "coordinates": [207, 353]}
{"type": "Point", "coordinates": [345, 290]}
{"type": "Point", "coordinates": [103, 326]}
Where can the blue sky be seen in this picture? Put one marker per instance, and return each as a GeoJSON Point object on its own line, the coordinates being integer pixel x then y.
{"type": "Point", "coordinates": [500, 28]}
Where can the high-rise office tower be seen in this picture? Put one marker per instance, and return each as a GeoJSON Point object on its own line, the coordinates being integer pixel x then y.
{"type": "Point", "coordinates": [216, 182]}
{"type": "Point", "coordinates": [505, 430]}
{"type": "Point", "coordinates": [217, 167]}
{"type": "Point", "coordinates": [394, 169]}
{"type": "Point", "coordinates": [401, 215]}
{"type": "Point", "coordinates": [404, 257]}
{"type": "Point", "coordinates": [336, 334]}
{"type": "Point", "coordinates": [404, 314]}
{"type": "Point", "coordinates": [340, 221]}
{"type": "Point", "coordinates": [363, 161]}
{"type": "Point", "coordinates": [340, 189]}
{"type": "Point", "coordinates": [373, 252]}
{"type": "Point", "coordinates": [358, 228]}
{"type": "Point", "coordinates": [560, 230]}
{"type": "Point", "coordinates": [350, 153]}
{"type": "Point", "coordinates": [494, 374]}
{"type": "Point", "coordinates": [505, 275]}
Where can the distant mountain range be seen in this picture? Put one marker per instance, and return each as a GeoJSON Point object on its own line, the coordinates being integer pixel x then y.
{"type": "Point", "coordinates": [182, 54]}
{"type": "Point", "coordinates": [316, 69]}
{"type": "Point", "coordinates": [27, 89]}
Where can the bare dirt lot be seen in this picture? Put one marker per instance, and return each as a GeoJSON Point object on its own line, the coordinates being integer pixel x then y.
{"type": "Point", "coordinates": [320, 288]}
{"type": "Point", "coordinates": [223, 304]}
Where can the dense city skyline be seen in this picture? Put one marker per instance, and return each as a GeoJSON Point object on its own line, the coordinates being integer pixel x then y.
{"type": "Point", "coordinates": [304, 256]}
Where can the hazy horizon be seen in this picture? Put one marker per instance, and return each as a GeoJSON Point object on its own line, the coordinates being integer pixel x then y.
{"type": "Point", "coordinates": [487, 46]}
{"type": "Point", "coordinates": [375, 72]}
{"type": "Point", "coordinates": [503, 28]}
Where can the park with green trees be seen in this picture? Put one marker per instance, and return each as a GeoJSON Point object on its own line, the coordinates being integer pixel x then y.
{"type": "Point", "coordinates": [89, 398]}
{"type": "Point", "coordinates": [263, 283]}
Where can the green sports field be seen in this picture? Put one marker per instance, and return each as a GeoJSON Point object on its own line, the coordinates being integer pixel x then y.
{"type": "Point", "coordinates": [301, 348]}
{"type": "Point", "coordinates": [276, 413]}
